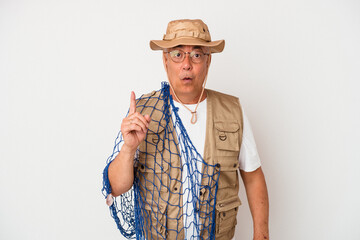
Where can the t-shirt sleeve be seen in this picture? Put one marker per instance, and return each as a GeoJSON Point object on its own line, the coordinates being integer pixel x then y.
{"type": "Point", "coordinates": [249, 159]}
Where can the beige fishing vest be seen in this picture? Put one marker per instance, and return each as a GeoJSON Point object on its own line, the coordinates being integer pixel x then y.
{"type": "Point", "coordinates": [160, 196]}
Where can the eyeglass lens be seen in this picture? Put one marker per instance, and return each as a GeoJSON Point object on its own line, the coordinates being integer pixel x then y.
{"type": "Point", "coordinates": [196, 56]}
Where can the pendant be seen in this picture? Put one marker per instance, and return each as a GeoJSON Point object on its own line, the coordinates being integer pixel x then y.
{"type": "Point", "coordinates": [193, 117]}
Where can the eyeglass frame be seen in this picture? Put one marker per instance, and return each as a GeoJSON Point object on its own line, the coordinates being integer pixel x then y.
{"type": "Point", "coordinates": [205, 54]}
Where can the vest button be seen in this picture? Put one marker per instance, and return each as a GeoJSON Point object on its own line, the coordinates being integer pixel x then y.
{"type": "Point", "coordinates": [218, 165]}
{"type": "Point", "coordinates": [175, 188]}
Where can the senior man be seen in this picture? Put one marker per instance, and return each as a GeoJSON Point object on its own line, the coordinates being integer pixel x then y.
{"type": "Point", "coordinates": [180, 151]}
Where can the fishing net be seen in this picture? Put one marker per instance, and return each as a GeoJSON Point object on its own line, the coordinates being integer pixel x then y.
{"type": "Point", "coordinates": [174, 190]}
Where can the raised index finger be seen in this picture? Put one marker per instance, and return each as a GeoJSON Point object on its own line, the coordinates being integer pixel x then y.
{"type": "Point", "coordinates": [132, 103]}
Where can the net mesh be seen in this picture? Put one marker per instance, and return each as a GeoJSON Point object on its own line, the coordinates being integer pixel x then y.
{"type": "Point", "coordinates": [174, 190]}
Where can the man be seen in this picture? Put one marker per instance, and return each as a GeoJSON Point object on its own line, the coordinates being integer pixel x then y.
{"type": "Point", "coordinates": [188, 143]}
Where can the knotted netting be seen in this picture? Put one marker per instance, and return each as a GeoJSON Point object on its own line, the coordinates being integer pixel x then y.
{"type": "Point", "coordinates": [174, 190]}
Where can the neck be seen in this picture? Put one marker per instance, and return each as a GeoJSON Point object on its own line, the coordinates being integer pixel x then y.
{"type": "Point", "coordinates": [188, 98]}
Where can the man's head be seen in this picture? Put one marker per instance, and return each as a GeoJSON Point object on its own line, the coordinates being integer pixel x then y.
{"type": "Point", "coordinates": [187, 67]}
{"type": "Point", "coordinates": [187, 49]}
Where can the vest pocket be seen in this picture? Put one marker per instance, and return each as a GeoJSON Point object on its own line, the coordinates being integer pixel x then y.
{"type": "Point", "coordinates": [228, 172]}
{"type": "Point", "coordinates": [227, 137]}
{"type": "Point", "coordinates": [154, 220]}
{"type": "Point", "coordinates": [226, 211]}
{"type": "Point", "coordinates": [153, 176]}
{"type": "Point", "coordinates": [154, 140]}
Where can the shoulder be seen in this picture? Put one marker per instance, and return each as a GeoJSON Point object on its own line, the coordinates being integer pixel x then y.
{"type": "Point", "coordinates": [148, 99]}
{"type": "Point", "coordinates": [147, 96]}
{"type": "Point", "coordinates": [150, 104]}
{"type": "Point", "coordinates": [219, 96]}
{"type": "Point", "coordinates": [225, 106]}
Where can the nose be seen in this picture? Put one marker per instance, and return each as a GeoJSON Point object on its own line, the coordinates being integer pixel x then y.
{"type": "Point", "coordinates": [187, 64]}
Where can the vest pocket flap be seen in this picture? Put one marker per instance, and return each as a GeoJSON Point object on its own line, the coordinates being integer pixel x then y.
{"type": "Point", "coordinates": [156, 127]}
{"type": "Point", "coordinates": [227, 126]}
{"type": "Point", "coordinates": [154, 139]}
{"type": "Point", "coordinates": [227, 137]}
{"type": "Point", "coordinates": [153, 167]}
{"type": "Point", "coordinates": [228, 204]}
{"type": "Point", "coordinates": [154, 207]}
{"type": "Point", "coordinates": [228, 164]}
{"type": "Point", "coordinates": [153, 178]}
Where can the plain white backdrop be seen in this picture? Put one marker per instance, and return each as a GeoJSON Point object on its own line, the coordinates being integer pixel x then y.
{"type": "Point", "coordinates": [67, 69]}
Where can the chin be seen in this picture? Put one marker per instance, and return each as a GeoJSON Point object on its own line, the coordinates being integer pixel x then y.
{"type": "Point", "coordinates": [187, 89]}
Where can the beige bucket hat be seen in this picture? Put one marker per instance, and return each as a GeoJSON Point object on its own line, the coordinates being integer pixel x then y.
{"type": "Point", "coordinates": [187, 32]}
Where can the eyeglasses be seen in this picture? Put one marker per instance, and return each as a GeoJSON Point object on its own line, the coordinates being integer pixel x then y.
{"type": "Point", "coordinates": [196, 56]}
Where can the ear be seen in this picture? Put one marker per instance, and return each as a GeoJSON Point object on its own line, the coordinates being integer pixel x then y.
{"type": "Point", "coordinates": [165, 61]}
{"type": "Point", "coordinates": [209, 61]}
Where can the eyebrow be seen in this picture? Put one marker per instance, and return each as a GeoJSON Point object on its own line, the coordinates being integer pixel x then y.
{"type": "Point", "coordinates": [195, 47]}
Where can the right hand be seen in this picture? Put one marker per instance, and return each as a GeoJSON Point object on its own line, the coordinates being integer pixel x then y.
{"type": "Point", "coordinates": [134, 127]}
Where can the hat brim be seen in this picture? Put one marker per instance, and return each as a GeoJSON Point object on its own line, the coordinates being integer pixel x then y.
{"type": "Point", "coordinates": [215, 46]}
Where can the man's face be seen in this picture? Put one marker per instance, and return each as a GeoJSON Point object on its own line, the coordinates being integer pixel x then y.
{"type": "Point", "coordinates": [187, 77]}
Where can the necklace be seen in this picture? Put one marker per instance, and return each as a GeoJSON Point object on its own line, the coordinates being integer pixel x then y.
{"type": "Point", "coordinates": [193, 113]}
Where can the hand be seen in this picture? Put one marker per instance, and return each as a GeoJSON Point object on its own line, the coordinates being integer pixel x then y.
{"type": "Point", "coordinates": [134, 127]}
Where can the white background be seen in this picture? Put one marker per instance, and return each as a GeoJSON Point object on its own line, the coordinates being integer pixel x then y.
{"type": "Point", "coordinates": [67, 69]}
